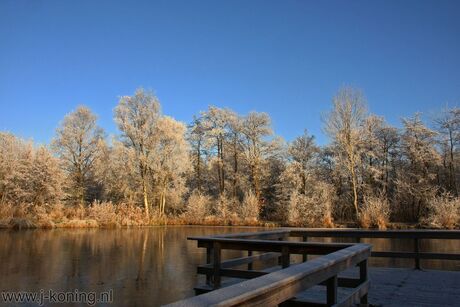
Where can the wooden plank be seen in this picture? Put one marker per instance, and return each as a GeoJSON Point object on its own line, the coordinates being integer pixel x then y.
{"type": "Point", "coordinates": [244, 260]}
{"type": "Point", "coordinates": [304, 256]}
{"type": "Point", "coordinates": [285, 257]}
{"type": "Point", "coordinates": [247, 235]}
{"type": "Point", "coordinates": [250, 263]}
{"type": "Point", "coordinates": [216, 265]}
{"type": "Point", "coordinates": [424, 255]}
{"type": "Point", "coordinates": [313, 248]}
{"type": "Point", "coordinates": [359, 233]}
{"type": "Point", "coordinates": [356, 296]}
{"type": "Point", "coordinates": [331, 296]}
{"type": "Point", "coordinates": [417, 253]}
{"type": "Point", "coordinates": [281, 285]}
{"type": "Point", "coordinates": [244, 274]}
{"type": "Point", "coordinates": [346, 282]}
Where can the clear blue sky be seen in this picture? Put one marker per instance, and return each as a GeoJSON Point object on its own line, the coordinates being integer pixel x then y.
{"type": "Point", "coordinates": [287, 58]}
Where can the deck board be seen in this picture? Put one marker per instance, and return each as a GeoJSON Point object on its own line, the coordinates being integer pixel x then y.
{"type": "Point", "coordinates": [401, 287]}
{"type": "Point", "coordinates": [409, 287]}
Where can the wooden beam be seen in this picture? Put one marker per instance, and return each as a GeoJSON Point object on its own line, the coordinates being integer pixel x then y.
{"type": "Point", "coordinates": [331, 291]}
{"type": "Point", "coordinates": [423, 255]}
{"type": "Point", "coordinates": [235, 273]}
{"type": "Point", "coordinates": [216, 265]}
{"type": "Point", "coordinates": [356, 296]}
{"type": "Point", "coordinates": [279, 286]}
{"type": "Point", "coordinates": [354, 233]}
{"type": "Point", "coordinates": [244, 260]}
{"type": "Point", "coordinates": [313, 248]}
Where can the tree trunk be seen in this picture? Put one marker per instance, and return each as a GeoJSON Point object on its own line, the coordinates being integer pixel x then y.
{"type": "Point", "coordinates": [355, 191]}
{"type": "Point", "coordinates": [198, 168]}
{"type": "Point", "coordinates": [146, 200]}
{"type": "Point", "coordinates": [235, 170]}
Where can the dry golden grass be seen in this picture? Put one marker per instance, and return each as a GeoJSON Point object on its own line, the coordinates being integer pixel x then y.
{"type": "Point", "coordinates": [76, 223]}
{"type": "Point", "coordinates": [444, 212]}
{"type": "Point", "coordinates": [375, 212]}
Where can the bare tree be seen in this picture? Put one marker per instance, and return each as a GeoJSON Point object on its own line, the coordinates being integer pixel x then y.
{"type": "Point", "coordinates": [28, 174]}
{"type": "Point", "coordinates": [256, 126]}
{"type": "Point", "coordinates": [76, 143]}
{"type": "Point", "coordinates": [302, 151]}
{"type": "Point", "coordinates": [137, 117]}
{"type": "Point", "coordinates": [196, 137]}
{"type": "Point", "coordinates": [416, 180]}
{"type": "Point", "coordinates": [344, 125]}
{"type": "Point", "coordinates": [448, 125]}
{"type": "Point", "coordinates": [170, 160]}
{"type": "Point", "coordinates": [216, 123]}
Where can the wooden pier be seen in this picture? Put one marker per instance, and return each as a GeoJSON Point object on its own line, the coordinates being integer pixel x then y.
{"type": "Point", "coordinates": [337, 276]}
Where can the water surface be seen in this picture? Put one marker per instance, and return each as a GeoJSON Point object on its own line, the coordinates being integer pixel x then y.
{"type": "Point", "coordinates": [143, 266]}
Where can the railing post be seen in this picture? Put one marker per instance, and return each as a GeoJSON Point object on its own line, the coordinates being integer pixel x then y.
{"type": "Point", "coordinates": [363, 278]}
{"type": "Point", "coordinates": [208, 261]}
{"type": "Point", "coordinates": [304, 256]}
{"type": "Point", "coordinates": [285, 261]}
{"type": "Point", "coordinates": [216, 265]}
{"type": "Point", "coordinates": [332, 291]}
{"type": "Point", "coordinates": [250, 263]}
{"type": "Point", "coordinates": [280, 258]}
{"type": "Point", "coordinates": [417, 253]}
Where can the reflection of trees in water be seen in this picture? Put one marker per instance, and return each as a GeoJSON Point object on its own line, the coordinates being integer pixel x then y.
{"type": "Point", "coordinates": [143, 266]}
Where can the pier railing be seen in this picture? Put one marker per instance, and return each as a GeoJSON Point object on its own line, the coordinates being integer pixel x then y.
{"type": "Point", "coordinates": [280, 286]}
{"type": "Point", "coordinates": [283, 281]}
{"type": "Point", "coordinates": [416, 236]}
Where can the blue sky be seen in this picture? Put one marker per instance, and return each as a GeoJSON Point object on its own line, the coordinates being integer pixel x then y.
{"type": "Point", "coordinates": [286, 58]}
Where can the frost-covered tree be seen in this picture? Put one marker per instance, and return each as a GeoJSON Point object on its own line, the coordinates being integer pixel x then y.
{"type": "Point", "coordinates": [28, 174]}
{"type": "Point", "coordinates": [45, 178]}
{"type": "Point", "coordinates": [116, 171]}
{"type": "Point", "coordinates": [344, 125]}
{"type": "Point", "coordinates": [196, 137]}
{"type": "Point", "coordinates": [77, 145]}
{"type": "Point", "coordinates": [416, 179]}
{"type": "Point", "coordinates": [16, 158]}
{"type": "Point", "coordinates": [448, 126]}
{"type": "Point", "coordinates": [256, 127]}
{"type": "Point", "coordinates": [302, 151]}
{"type": "Point", "coordinates": [137, 118]}
{"type": "Point", "coordinates": [215, 123]}
{"type": "Point", "coordinates": [305, 199]}
{"type": "Point", "coordinates": [235, 149]}
{"type": "Point", "coordinates": [169, 161]}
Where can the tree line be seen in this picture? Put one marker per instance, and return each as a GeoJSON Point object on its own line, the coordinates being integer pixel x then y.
{"type": "Point", "coordinates": [228, 166]}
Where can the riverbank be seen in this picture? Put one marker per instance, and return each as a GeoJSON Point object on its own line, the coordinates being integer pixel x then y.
{"type": "Point", "coordinates": [107, 215]}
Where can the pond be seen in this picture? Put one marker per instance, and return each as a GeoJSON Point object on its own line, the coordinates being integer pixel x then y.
{"type": "Point", "coordinates": [139, 266]}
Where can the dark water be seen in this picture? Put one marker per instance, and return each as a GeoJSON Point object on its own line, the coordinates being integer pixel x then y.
{"type": "Point", "coordinates": [143, 266]}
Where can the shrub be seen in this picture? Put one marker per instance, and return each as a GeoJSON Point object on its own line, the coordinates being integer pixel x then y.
{"type": "Point", "coordinates": [250, 207]}
{"type": "Point", "coordinates": [312, 210]}
{"type": "Point", "coordinates": [131, 215]}
{"type": "Point", "coordinates": [198, 206]}
{"type": "Point", "coordinates": [222, 208]}
{"type": "Point", "coordinates": [444, 211]}
{"type": "Point", "coordinates": [104, 213]}
{"type": "Point", "coordinates": [6, 213]}
{"type": "Point", "coordinates": [375, 212]}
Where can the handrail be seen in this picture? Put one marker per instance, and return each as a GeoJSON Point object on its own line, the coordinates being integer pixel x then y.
{"type": "Point", "coordinates": [359, 233]}
{"type": "Point", "coordinates": [282, 285]}
{"type": "Point", "coordinates": [415, 234]}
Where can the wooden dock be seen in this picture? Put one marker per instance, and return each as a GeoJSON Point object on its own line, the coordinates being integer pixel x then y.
{"type": "Point", "coordinates": [337, 276]}
{"type": "Point", "coordinates": [409, 287]}
{"type": "Point", "coordinates": [403, 287]}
